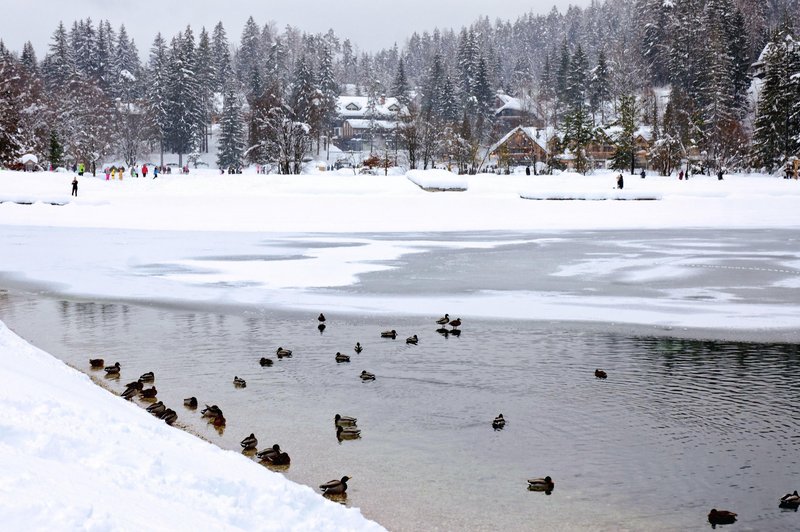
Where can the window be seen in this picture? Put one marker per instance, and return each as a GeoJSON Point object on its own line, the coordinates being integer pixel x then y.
{"type": "Point", "coordinates": [352, 107]}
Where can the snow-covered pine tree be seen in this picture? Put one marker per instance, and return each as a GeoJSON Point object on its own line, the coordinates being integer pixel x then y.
{"type": "Point", "coordinates": [59, 64]}
{"type": "Point", "coordinates": [578, 134]}
{"type": "Point", "coordinates": [400, 88]}
{"type": "Point", "coordinates": [157, 90]}
{"type": "Point", "coordinates": [182, 97]}
{"type": "Point", "coordinates": [126, 67]}
{"type": "Point", "coordinates": [483, 92]}
{"type": "Point", "coordinates": [221, 54]}
{"type": "Point", "coordinates": [577, 78]}
{"type": "Point", "coordinates": [231, 136]}
{"type": "Point", "coordinates": [28, 58]}
{"type": "Point", "coordinates": [205, 76]}
{"type": "Point", "coordinates": [625, 147]}
{"type": "Point", "coordinates": [432, 89]}
{"type": "Point", "coordinates": [600, 86]}
{"type": "Point", "coordinates": [10, 93]}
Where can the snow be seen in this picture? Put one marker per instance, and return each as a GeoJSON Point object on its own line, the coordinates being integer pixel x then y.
{"type": "Point", "coordinates": [438, 180]}
{"type": "Point", "coordinates": [75, 457]}
{"type": "Point", "coordinates": [29, 157]}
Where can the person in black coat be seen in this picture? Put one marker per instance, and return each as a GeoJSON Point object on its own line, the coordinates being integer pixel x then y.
{"type": "Point", "coordinates": [620, 182]}
{"type": "Point", "coordinates": [719, 174]}
{"type": "Point", "coordinates": [74, 186]}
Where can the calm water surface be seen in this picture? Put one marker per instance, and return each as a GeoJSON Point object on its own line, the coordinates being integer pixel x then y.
{"type": "Point", "coordinates": [679, 427]}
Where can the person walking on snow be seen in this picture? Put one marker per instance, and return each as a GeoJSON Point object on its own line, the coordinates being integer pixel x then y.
{"type": "Point", "coordinates": [144, 170]}
{"type": "Point", "coordinates": [75, 186]}
{"type": "Point", "coordinates": [155, 172]}
{"type": "Point", "coordinates": [620, 182]}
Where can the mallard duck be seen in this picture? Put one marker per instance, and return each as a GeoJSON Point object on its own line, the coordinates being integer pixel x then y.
{"type": "Point", "coordinates": [344, 421]}
{"type": "Point", "coordinates": [149, 393]}
{"type": "Point", "coordinates": [790, 500]}
{"type": "Point", "coordinates": [157, 408]}
{"type": "Point", "coordinates": [347, 433]}
{"type": "Point", "coordinates": [456, 323]}
{"type": "Point", "coordinates": [190, 402]}
{"type": "Point", "coordinates": [269, 452]}
{"type": "Point", "coordinates": [541, 484]}
{"type": "Point", "coordinates": [413, 340]}
{"type": "Point", "coordinates": [211, 411]}
{"type": "Point", "coordinates": [112, 370]}
{"type": "Point", "coordinates": [334, 487]}
{"type": "Point", "coordinates": [135, 385]}
{"type": "Point", "coordinates": [169, 416]}
{"type": "Point", "coordinates": [280, 458]}
{"type": "Point", "coordinates": [218, 421]}
{"type": "Point", "coordinates": [600, 374]}
{"type": "Point", "coordinates": [129, 393]}
{"type": "Point", "coordinates": [148, 377]}
{"type": "Point", "coordinates": [97, 362]}
{"type": "Point", "coordinates": [281, 352]}
{"type": "Point", "coordinates": [265, 361]}
{"type": "Point", "coordinates": [239, 382]}
{"type": "Point", "coordinates": [367, 376]}
{"type": "Point", "coordinates": [321, 327]}
{"type": "Point", "coordinates": [250, 442]}
{"type": "Point", "coordinates": [444, 320]}
{"type": "Point", "coordinates": [321, 317]}
{"type": "Point", "coordinates": [389, 334]}
{"type": "Point", "coordinates": [358, 348]}
{"type": "Point", "coordinates": [342, 358]}
{"type": "Point", "coordinates": [499, 422]}
{"type": "Point", "coordinates": [721, 517]}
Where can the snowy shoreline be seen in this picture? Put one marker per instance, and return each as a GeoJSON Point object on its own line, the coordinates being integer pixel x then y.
{"type": "Point", "coordinates": [74, 456]}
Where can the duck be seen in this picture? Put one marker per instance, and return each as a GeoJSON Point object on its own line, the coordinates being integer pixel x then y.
{"type": "Point", "coordinates": [358, 348]}
{"type": "Point", "coordinates": [149, 393]}
{"type": "Point", "coordinates": [790, 500]}
{"type": "Point", "coordinates": [239, 382]}
{"type": "Point", "coordinates": [112, 370]}
{"type": "Point", "coordinates": [342, 358]}
{"type": "Point", "coordinates": [344, 421]}
{"type": "Point", "coordinates": [347, 433]}
{"type": "Point", "coordinates": [321, 317]}
{"type": "Point", "coordinates": [600, 374]}
{"type": "Point", "coordinates": [157, 408]}
{"type": "Point", "coordinates": [389, 334]}
{"type": "Point", "coordinates": [499, 422]}
{"type": "Point", "coordinates": [97, 362]}
{"type": "Point", "coordinates": [545, 484]}
{"type": "Point", "coordinates": [250, 442]}
{"type": "Point", "coordinates": [413, 340]}
{"type": "Point", "coordinates": [265, 361]}
{"type": "Point", "coordinates": [444, 320]}
{"type": "Point", "coordinates": [721, 517]}
{"type": "Point", "coordinates": [367, 376]}
{"type": "Point", "coordinates": [190, 402]}
{"type": "Point", "coordinates": [169, 416]}
{"type": "Point", "coordinates": [135, 385]}
{"type": "Point", "coordinates": [129, 393]}
{"type": "Point", "coordinates": [279, 459]}
{"type": "Point", "coordinates": [335, 487]}
{"type": "Point", "coordinates": [281, 352]}
{"type": "Point", "coordinates": [147, 377]}
{"type": "Point", "coordinates": [456, 323]}
{"type": "Point", "coordinates": [321, 327]}
{"type": "Point", "coordinates": [269, 452]}
{"type": "Point", "coordinates": [211, 411]}
{"type": "Point", "coordinates": [218, 421]}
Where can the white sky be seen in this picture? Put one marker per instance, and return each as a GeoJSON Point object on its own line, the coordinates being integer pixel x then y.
{"type": "Point", "coordinates": [369, 24]}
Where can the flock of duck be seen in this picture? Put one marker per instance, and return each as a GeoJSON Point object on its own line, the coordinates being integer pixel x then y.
{"type": "Point", "coordinates": [346, 426]}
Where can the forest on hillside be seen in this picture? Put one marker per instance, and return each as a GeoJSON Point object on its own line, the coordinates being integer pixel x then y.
{"type": "Point", "coordinates": [273, 91]}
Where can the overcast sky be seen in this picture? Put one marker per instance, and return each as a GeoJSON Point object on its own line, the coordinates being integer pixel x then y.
{"type": "Point", "coordinates": [369, 24]}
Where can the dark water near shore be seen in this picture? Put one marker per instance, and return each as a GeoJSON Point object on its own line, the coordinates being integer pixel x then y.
{"type": "Point", "coordinates": [679, 427]}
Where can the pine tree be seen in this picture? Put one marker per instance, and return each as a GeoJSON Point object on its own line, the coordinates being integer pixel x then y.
{"type": "Point", "coordinates": [625, 152]}
{"type": "Point", "coordinates": [59, 65]}
{"type": "Point", "coordinates": [484, 95]}
{"type": "Point", "coordinates": [578, 134]}
{"type": "Point", "coordinates": [577, 77]}
{"type": "Point", "coordinates": [56, 153]}
{"type": "Point", "coordinates": [432, 90]}
{"type": "Point", "coordinates": [221, 53]}
{"type": "Point", "coordinates": [600, 86]}
{"type": "Point", "coordinates": [400, 87]}
{"type": "Point", "coordinates": [10, 93]}
{"type": "Point", "coordinates": [157, 95]}
{"type": "Point", "coordinates": [328, 89]}
{"type": "Point", "coordinates": [231, 143]}
{"type": "Point", "coordinates": [183, 115]}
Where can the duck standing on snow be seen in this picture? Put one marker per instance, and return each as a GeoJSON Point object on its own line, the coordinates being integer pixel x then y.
{"type": "Point", "coordinates": [335, 487]}
{"type": "Point", "coordinates": [790, 500]}
{"type": "Point", "coordinates": [249, 442]}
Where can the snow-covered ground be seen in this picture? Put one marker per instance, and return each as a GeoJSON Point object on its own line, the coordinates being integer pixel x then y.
{"type": "Point", "coordinates": [73, 456]}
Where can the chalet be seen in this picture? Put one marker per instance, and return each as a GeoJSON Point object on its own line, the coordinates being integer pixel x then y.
{"type": "Point", "coordinates": [358, 134]}
{"type": "Point", "coordinates": [513, 112]}
{"type": "Point", "coordinates": [524, 146]}
{"type": "Point", "coordinates": [365, 124]}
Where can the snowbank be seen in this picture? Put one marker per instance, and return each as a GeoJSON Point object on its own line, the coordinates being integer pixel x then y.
{"type": "Point", "coordinates": [74, 457]}
{"type": "Point", "coordinates": [590, 196]}
{"type": "Point", "coordinates": [437, 180]}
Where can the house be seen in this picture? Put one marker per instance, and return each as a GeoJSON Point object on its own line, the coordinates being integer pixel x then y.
{"type": "Point", "coordinates": [524, 146]}
{"type": "Point", "coordinates": [364, 123]}
{"type": "Point", "coordinates": [30, 163]}
{"type": "Point", "coordinates": [512, 112]}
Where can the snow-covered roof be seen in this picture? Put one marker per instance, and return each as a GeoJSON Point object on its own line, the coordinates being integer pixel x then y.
{"type": "Point", "coordinates": [358, 106]}
{"type": "Point", "coordinates": [539, 136]}
{"type": "Point", "coordinates": [29, 158]}
{"type": "Point", "coordinates": [511, 103]}
{"type": "Point", "coordinates": [357, 123]}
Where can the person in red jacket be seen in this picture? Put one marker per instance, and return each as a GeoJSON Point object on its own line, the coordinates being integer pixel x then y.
{"type": "Point", "coordinates": [144, 170]}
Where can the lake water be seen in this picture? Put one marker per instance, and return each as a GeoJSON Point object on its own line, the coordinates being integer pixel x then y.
{"type": "Point", "coordinates": [680, 426]}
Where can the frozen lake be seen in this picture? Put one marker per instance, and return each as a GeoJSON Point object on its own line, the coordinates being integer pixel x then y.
{"type": "Point", "coordinates": [694, 414]}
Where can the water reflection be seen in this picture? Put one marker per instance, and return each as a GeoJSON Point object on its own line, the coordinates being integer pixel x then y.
{"type": "Point", "coordinates": [678, 427]}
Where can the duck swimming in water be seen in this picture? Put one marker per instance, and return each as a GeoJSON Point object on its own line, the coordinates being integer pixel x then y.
{"type": "Point", "coordinates": [239, 382]}
{"type": "Point", "coordinates": [367, 376]}
{"type": "Point", "coordinates": [211, 411]}
{"type": "Point", "coordinates": [190, 402]}
{"type": "Point", "coordinates": [600, 374]}
{"type": "Point", "coordinates": [413, 340]}
{"type": "Point", "coordinates": [358, 348]}
{"type": "Point", "coordinates": [97, 362]}
{"type": "Point", "coordinates": [265, 361]}
{"type": "Point", "coordinates": [112, 370]}
{"type": "Point", "coordinates": [269, 452]}
{"type": "Point", "coordinates": [721, 517]}
{"type": "Point", "coordinates": [347, 433]}
{"type": "Point", "coordinates": [499, 422]}
{"type": "Point", "coordinates": [389, 334]}
{"type": "Point", "coordinates": [545, 484]}
{"type": "Point", "coordinates": [148, 377]}
{"type": "Point", "coordinates": [342, 358]}
{"type": "Point", "coordinates": [344, 421]}
{"type": "Point", "coordinates": [790, 500]}
{"type": "Point", "coordinates": [281, 352]}
{"type": "Point", "coordinates": [169, 416]}
{"type": "Point", "coordinates": [335, 487]}
{"type": "Point", "coordinates": [149, 393]}
{"type": "Point", "coordinates": [250, 442]}
{"type": "Point", "coordinates": [157, 408]}
{"type": "Point", "coordinates": [321, 317]}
